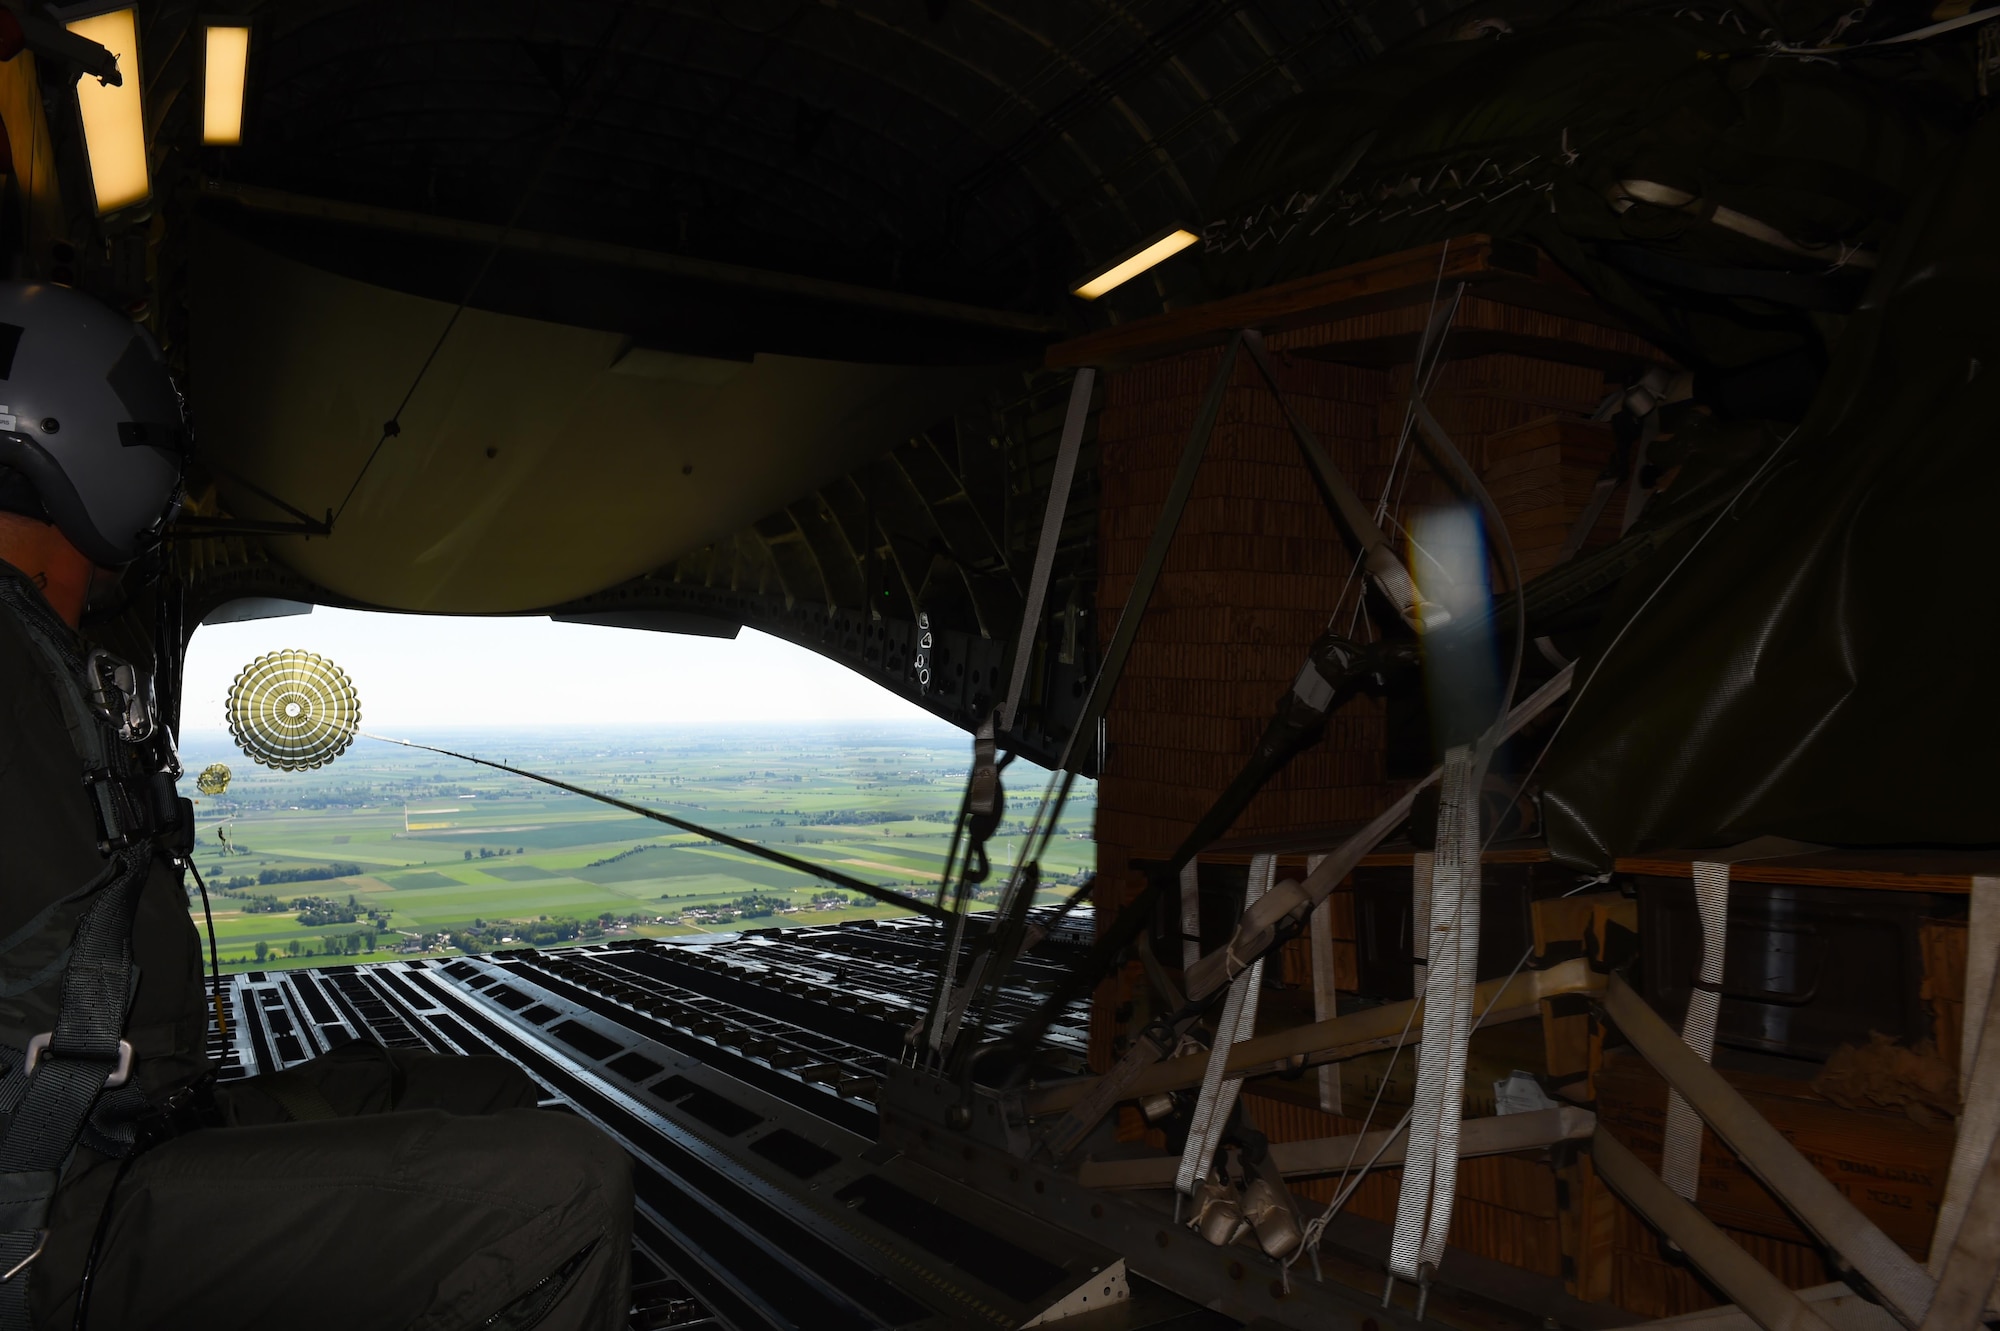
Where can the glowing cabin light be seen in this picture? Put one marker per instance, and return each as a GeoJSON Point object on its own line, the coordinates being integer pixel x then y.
{"type": "Point", "coordinates": [1138, 261]}
{"type": "Point", "coordinates": [226, 58]}
{"type": "Point", "coordinates": [114, 120]}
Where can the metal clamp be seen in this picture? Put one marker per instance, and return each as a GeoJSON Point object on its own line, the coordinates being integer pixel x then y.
{"type": "Point", "coordinates": [38, 1047]}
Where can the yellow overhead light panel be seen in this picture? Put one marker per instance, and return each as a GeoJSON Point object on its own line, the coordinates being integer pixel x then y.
{"type": "Point", "coordinates": [226, 57]}
{"type": "Point", "coordinates": [114, 120]}
{"type": "Point", "coordinates": [1129, 266]}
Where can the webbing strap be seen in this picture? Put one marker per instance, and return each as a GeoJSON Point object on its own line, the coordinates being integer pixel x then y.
{"type": "Point", "coordinates": [1045, 549]}
{"type": "Point", "coordinates": [1680, 1155]}
{"type": "Point", "coordinates": [1112, 667]}
{"type": "Point", "coordinates": [1384, 566]}
{"type": "Point", "coordinates": [1982, 955]}
{"type": "Point", "coordinates": [1190, 913]}
{"type": "Point", "coordinates": [1735, 1272]}
{"type": "Point", "coordinates": [1109, 670]}
{"type": "Point", "coordinates": [1430, 1173]}
{"type": "Point", "coordinates": [1970, 1267]}
{"type": "Point", "coordinates": [1808, 1194]}
{"type": "Point", "coordinates": [1422, 866]}
{"type": "Point", "coordinates": [1238, 1023]}
{"type": "Point", "coordinates": [96, 988]}
{"type": "Point", "coordinates": [50, 639]}
{"type": "Point", "coordinates": [1206, 979]}
{"type": "Point", "coordinates": [1326, 989]}
{"type": "Point", "coordinates": [68, 1080]}
{"type": "Point", "coordinates": [1979, 1084]}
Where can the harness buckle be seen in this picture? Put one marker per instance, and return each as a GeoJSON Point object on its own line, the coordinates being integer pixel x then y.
{"type": "Point", "coordinates": [38, 1048]}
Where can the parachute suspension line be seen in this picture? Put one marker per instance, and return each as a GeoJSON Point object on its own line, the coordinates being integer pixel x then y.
{"type": "Point", "coordinates": [834, 876]}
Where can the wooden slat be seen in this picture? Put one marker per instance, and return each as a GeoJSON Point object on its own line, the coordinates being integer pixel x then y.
{"type": "Point", "coordinates": [1893, 871]}
{"type": "Point", "coordinates": [1375, 283]}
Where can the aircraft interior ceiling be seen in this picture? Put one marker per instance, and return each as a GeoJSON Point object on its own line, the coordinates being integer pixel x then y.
{"type": "Point", "coordinates": [745, 302]}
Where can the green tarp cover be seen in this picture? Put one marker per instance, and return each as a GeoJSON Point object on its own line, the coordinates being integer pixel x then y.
{"type": "Point", "coordinates": [1822, 665]}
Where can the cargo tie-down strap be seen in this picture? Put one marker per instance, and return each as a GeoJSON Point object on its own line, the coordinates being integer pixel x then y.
{"type": "Point", "coordinates": [1430, 1169]}
{"type": "Point", "coordinates": [1680, 1154]}
{"type": "Point", "coordinates": [1979, 1072]}
{"type": "Point", "coordinates": [1068, 448]}
{"type": "Point", "coordinates": [1422, 866]}
{"type": "Point", "coordinates": [1238, 1023]}
{"type": "Point", "coordinates": [1190, 913]}
{"type": "Point", "coordinates": [1326, 991]}
{"type": "Point", "coordinates": [1735, 1272]}
{"type": "Point", "coordinates": [1971, 1265]}
{"type": "Point", "coordinates": [1256, 933]}
{"type": "Point", "coordinates": [1809, 1195]}
{"type": "Point", "coordinates": [67, 1071]}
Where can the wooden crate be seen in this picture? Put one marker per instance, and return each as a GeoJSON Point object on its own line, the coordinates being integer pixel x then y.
{"type": "Point", "coordinates": [1892, 1169]}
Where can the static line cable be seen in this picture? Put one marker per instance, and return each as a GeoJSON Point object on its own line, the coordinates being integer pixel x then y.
{"type": "Point", "coordinates": [834, 876]}
{"type": "Point", "coordinates": [394, 425]}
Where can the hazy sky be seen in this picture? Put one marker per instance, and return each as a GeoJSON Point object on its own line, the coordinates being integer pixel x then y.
{"type": "Point", "coordinates": [418, 673]}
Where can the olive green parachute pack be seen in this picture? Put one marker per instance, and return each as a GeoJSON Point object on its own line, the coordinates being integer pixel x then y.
{"type": "Point", "coordinates": [1821, 665]}
{"type": "Point", "coordinates": [1797, 636]}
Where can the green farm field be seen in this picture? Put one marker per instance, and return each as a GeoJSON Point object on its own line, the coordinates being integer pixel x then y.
{"type": "Point", "coordinates": [392, 852]}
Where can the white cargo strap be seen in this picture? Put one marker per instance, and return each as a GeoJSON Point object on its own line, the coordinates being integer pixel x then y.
{"type": "Point", "coordinates": [1430, 1172]}
{"type": "Point", "coordinates": [1979, 1070]}
{"type": "Point", "coordinates": [1214, 970]}
{"type": "Point", "coordinates": [1973, 1263]}
{"type": "Point", "coordinates": [1190, 913]}
{"type": "Point", "coordinates": [1807, 1193]}
{"type": "Point", "coordinates": [1045, 549]}
{"type": "Point", "coordinates": [1238, 1023]}
{"type": "Point", "coordinates": [1680, 1155]}
{"type": "Point", "coordinates": [1735, 1272]}
{"type": "Point", "coordinates": [1422, 865]}
{"type": "Point", "coordinates": [1326, 996]}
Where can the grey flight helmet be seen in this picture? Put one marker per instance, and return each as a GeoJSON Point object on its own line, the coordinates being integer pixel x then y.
{"type": "Point", "coordinates": [89, 419]}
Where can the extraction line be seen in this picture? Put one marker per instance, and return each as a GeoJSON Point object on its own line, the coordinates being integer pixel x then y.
{"type": "Point", "coordinates": [834, 876]}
